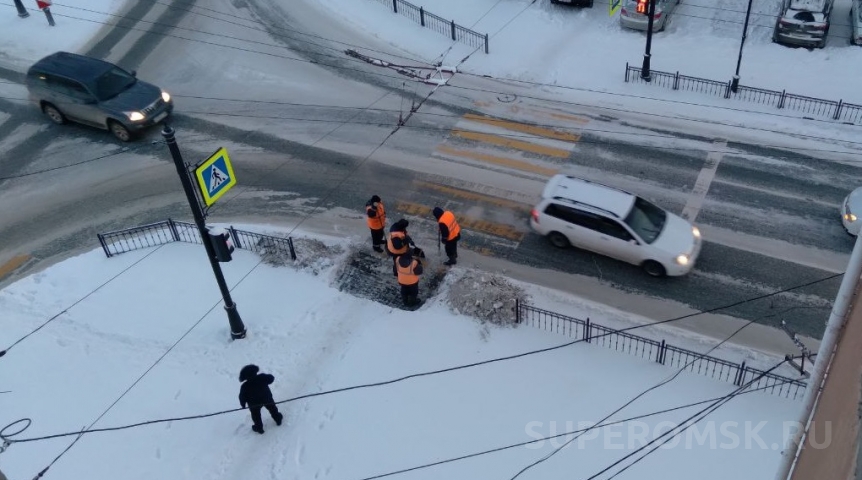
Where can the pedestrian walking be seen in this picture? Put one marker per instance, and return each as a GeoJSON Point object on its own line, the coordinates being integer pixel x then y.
{"type": "Point", "coordinates": [408, 269]}
{"type": "Point", "coordinates": [450, 233]}
{"type": "Point", "coordinates": [376, 218]}
{"type": "Point", "coordinates": [255, 393]}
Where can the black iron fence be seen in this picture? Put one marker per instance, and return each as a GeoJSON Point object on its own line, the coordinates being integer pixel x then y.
{"type": "Point", "coordinates": [845, 112]}
{"type": "Point", "coordinates": [658, 351]}
{"type": "Point", "coordinates": [168, 231]}
{"type": "Point", "coordinates": [438, 24]}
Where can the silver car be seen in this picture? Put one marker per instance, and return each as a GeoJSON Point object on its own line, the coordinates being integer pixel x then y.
{"type": "Point", "coordinates": [635, 14]}
{"type": "Point", "coordinates": [67, 86]}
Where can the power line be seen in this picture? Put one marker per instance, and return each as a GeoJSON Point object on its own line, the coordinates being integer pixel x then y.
{"type": "Point", "coordinates": [565, 434]}
{"type": "Point", "coordinates": [640, 395]}
{"type": "Point", "coordinates": [66, 310]}
{"type": "Point", "coordinates": [696, 417]}
{"type": "Point", "coordinates": [421, 374]}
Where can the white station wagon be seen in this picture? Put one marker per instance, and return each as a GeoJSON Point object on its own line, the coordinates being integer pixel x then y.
{"type": "Point", "coordinates": [615, 223]}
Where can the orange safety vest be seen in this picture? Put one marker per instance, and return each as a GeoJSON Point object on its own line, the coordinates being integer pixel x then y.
{"type": "Point", "coordinates": [378, 222]}
{"type": "Point", "coordinates": [400, 251]}
{"type": "Point", "coordinates": [448, 219]}
{"type": "Point", "coordinates": [405, 274]}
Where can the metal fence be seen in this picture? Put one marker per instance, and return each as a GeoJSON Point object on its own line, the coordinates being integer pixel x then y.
{"type": "Point", "coordinates": [168, 231]}
{"type": "Point", "coordinates": [845, 112]}
{"type": "Point", "coordinates": [438, 24]}
{"type": "Point", "coordinates": [658, 351]}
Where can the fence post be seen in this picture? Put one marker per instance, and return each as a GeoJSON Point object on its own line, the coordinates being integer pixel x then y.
{"type": "Point", "coordinates": [727, 89]}
{"type": "Point", "coordinates": [453, 29]}
{"type": "Point", "coordinates": [290, 246]}
{"type": "Point", "coordinates": [104, 245]}
{"type": "Point", "coordinates": [676, 81]}
{"type": "Point", "coordinates": [174, 232]}
{"type": "Point", "coordinates": [486, 44]}
{"type": "Point", "coordinates": [587, 332]}
{"type": "Point", "coordinates": [627, 72]}
{"type": "Point", "coordinates": [838, 110]}
{"type": "Point", "coordinates": [421, 16]}
{"type": "Point", "coordinates": [235, 238]}
{"type": "Point", "coordinates": [740, 374]}
{"type": "Point", "coordinates": [660, 356]}
{"type": "Point", "coordinates": [517, 311]}
{"type": "Point", "coordinates": [781, 99]}
{"type": "Point", "coordinates": [395, 6]}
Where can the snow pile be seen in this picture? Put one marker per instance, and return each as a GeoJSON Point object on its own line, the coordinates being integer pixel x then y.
{"type": "Point", "coordinates": [312, 255]}
{"type": "Point", "coordinates": [487, 297]}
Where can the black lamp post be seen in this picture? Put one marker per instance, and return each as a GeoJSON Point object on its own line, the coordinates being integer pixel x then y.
{"type": "Point", "coordinates": [645, 68]}
{"type": "Point", "coordinates": [734, 84]}
{"type": "Point", "coordinates": [22, 12]}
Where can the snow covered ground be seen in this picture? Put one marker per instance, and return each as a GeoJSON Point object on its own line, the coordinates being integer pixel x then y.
{"type": "Point", "coordinates": [153, 342]}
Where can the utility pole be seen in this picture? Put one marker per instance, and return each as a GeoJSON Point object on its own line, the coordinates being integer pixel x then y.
{"type": "Point", "coordinates": [734, 85]}
{"type": "Point", "coordinates": [834, 327]}
{"type": "Point", "coordinates": [645, 74]}
{"type": "Point", "coordinates": [237, 328]}
{"type": "Point", "coordinates": [22, 12]}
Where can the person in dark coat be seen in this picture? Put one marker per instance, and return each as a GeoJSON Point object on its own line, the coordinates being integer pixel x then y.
{"type": "Point", "coordinates": [399, 241]}
{"type": "Point", "coordinates": [255, 393]}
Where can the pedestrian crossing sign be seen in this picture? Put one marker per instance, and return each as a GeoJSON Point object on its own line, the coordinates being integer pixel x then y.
{"type": "Point", "coordinates": [215, 176]}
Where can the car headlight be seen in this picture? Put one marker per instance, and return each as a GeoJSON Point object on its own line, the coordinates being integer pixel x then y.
{"type": "Point", "coordinates": [166, 96]}
{"type": "Point", "coordinates": [850, 217]}
{"type": "Point", "coordinates": [682, 259]}
{"type": "Point", "coordinates": [135, 116]}
{"type": "Point", "coordinates": [695, 231]}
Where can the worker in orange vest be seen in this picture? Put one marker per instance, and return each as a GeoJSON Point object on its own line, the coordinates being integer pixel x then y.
{"type": "Point", "coordinates": [450, 233]}
{"type": "Point", "coordinates": [376, 218]}
{"type": "Point", "coordinates": [408, 269]}
{"type": "Point", "coordinates": [399, 241]}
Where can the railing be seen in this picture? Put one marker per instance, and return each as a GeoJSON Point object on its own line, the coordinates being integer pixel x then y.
{"type": "Point", "coordinates": [168, 231]}
{"type": "Point", "coordinates": [438, 24]}
{"type": "Point", "coordinates": [658, 351]}
{"type": "Point", "coordinates": [845, 112]}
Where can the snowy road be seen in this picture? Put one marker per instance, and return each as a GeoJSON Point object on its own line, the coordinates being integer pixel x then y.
{"type": "Point", "coordinates": [300, 118]}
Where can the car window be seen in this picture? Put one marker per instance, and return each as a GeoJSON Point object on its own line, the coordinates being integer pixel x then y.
{"type": "Point", "coordinates": [646, 219]}
{"type": "Point", "coordinates": [67, 87]}
{"type": "Point", "coordinates": [112, 83]}
{"type": "Point", "coordinates": [574, 216]}
{"type": "Point", "coordinates": [614, 229]}
{"type": "Point", "coordinates": [804, 16]}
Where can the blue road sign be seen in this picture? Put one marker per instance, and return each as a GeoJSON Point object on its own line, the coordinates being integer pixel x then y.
{"type": "Point", "coordinates": [215, 176]}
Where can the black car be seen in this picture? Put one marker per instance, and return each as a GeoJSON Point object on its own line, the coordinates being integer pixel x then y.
{"type": "Point", "coordinates": [67, 86]}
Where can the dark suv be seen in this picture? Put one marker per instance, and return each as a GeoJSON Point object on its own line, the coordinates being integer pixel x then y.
{"type": "Point", "coordinates": [87, 90]}
{"type": "Point", "coordinates": [803, 22]}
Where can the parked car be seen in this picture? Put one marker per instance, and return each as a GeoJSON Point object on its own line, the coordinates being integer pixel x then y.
{"type": "Point", "coordinates": [67, 86]}
{"type": "Point", "coordinates": [635, 14]}
{"type": "Point", "coordinates": [851, 211]}
{"type": "Point", "coordinates": [856, 22]}
{"type": "Point", "coordinates": [803, 23]}
{"type": "Point", "coordinates": [580, 3]}
{"type": "Point", "coordinates": [615, 223]}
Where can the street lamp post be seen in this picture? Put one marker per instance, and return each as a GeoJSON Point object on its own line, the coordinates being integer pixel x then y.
{"type": "Point", "coordinates": [22, 12]}
{"type": "Point", "coordinates": [645, 74]}
{"type": "Point", "coordinates": [734, 84]}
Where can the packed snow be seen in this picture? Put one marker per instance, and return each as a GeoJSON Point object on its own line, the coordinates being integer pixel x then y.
{"type": "Point", "coordinates": [147, 328]}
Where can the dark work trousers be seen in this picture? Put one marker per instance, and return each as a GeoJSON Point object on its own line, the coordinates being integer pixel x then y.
{"type": "Point", "coordinates": [378, 238]}
{"type": "Point", "coordinates": [255, 413]}
{"type": "Point", "coordinates": [409, 293]}
{"type": "Point", "coordinates": [451, 249]}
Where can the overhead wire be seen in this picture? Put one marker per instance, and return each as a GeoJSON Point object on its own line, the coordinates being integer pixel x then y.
{"type": "Point", "coordinates": [425, 373]}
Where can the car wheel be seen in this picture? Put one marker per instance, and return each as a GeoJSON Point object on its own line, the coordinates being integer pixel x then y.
{"type": "Point", "coordinates": [559, 240]}
{"type": "Point", "coordinates": [119, 130]}
{"type": "Point", "coordinates": [54, 114]}
{"type": "Point", "coordinates": [654, 269]}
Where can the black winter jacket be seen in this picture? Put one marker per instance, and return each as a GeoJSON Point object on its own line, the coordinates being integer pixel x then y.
{"type": "Point", "coordinates": [255, 390]}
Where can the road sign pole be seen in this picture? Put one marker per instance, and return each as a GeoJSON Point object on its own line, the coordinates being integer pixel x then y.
{"type": "Point", "coordinates": [237, 328]}
{"type": "Point", "coordinates": [645, 68]}
{"type": "Point", "coordinates": [22, 11]}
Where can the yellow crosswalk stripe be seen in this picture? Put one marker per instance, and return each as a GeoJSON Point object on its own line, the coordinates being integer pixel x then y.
{"type": "Point", "coordinates": [12, 265]}
{"type": "Point", "coordinates": [501, 161]}
{"type": "Point", "coordinates": [473, 196]}
{"type": "Point", "coordinates": [514, 144]}
{"type": "Point", "coordinates": [524, 128]}
{"type": "Point", "coordinates": [574, 118]}
{"type": "Point", "coordinates": [484, 226]}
